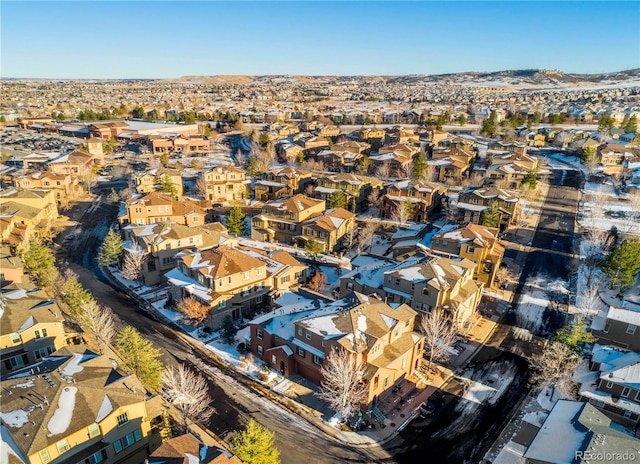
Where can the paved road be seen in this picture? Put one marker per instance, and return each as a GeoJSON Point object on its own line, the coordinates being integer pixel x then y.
{"type": "Point", "coordinates": [469, 442]}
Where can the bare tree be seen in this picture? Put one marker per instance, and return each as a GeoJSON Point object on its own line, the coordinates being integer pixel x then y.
{"type": "Point", "coordinates": [133, 261]}
{"type": "Point", "coordinates": [342, 383]}
{"type": "Point", "coordinates": [188, 392]}
{"type": "Point", "coordinates": [596, 245]}
{"type": "Point", "coordinates": [366, 235]}
{"type": "Point", "coordinates": [351, 236]}
{"type": "Point", "coordinates": [384, 170]}
{"type": "Point", "coordinates": [453, 213]}
{"type": "Point", "coordinates": [402, 213]}
{"type": "Point", "coordinates": [555, 365]}
{"type": "Point", "coordinates": [373, 201]}
{"type": "Point", "coordinates": [193, 309]}
{"type": "Point", "coordinates": [98, 321]}
{"type": "Point", "coordinates": [476, 180]}
{"type": "Point", "coordinates": [590, 299]}
{"type": "Point", "coordinates": [430, 173]}
{"type": "Point", "coordinates": [440, 335]}
{"type": "Point", "coordinates": [201, 187]}
{"type": "Point", "coordinates": [504, 275]}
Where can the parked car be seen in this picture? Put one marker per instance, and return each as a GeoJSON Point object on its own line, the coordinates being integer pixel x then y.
{"type": "Point", "coordinates": [433, 403]}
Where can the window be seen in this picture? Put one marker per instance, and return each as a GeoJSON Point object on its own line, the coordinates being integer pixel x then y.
{"type": "Point", "coordinates": [96, 457]}
{"type": "Point", "coordinates": [259, 349]}
{"type": "Point", "coordinates": [259, 334]}
{"type": "Point", "coordinates": [425, 291]}
{"type": "Point", "coordinates": [126, 441]}
{"type": "Point", "coordinates": [94, 430]}
{"type": "Point", "coordinates": [222, 304]}
{"type": "Point", "coordinates": [609, 384]}
{"type": "Point", "coordinates": [444, 243]}
{"type": "Point", "coordinates": [631, 329]}
{"type": "Point", "coordinates": [15, 338]}
{"type": "Point", "coordinates": [123, 419]}
{"type": "Point", "coordinates": [219, 282]}
{"type": "Point", "coordinates": [308, 334]}
{"type": "Point", "coordinates": [404, 362]}
{"type": "Point", "coordinates": [42, 352]}
{"type": "Point", "coordinates": [195, 219]}
{"type": "Point", "coordinates": [625, 392]}
{"type": "Point", "coordinates": [273, 359]}
{"type": "Point", "coordinates": [301, 352]}
{"type": "Point", "coordinates": [229, 279]}
{"type": "Point", "coordinates": [44, 456]}
{"type": "Point", "coordinates": [300, 331]}
{"type": "Point", "coordinates": [259, 271]}
{"type": "Point", "coordinates": [37, 333]}
{"type": "Point", "coordinates": [63, 446]}
{"type": "Point", "coordinates": [258, 298]}
{"type": "Point", "coordinates": [385, 384]}
{"type": "Point", "coordinates": [317, 360]}
{"type": "Point", "coordinates": [44, 332]}
{"type": "Point", "coordinates": [245, 275]}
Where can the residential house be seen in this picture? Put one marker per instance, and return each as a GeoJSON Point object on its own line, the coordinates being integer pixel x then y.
{"type": "Point", "coordinates": [153, 207]}
{"type": "Point", "coordinates": [288, 152]}
{"type": "Point", "coordinates": [399, 164]}
{"type": "Point", "coordinates": [13, 232]}
{"type": "Point", "coordinates": [352, 146]}
{"type": "Point", "coordinates": [281, 220]}
{"type": "Point", "coordinates": [473, 201]}
{"type": "Point", "coordinates": [383, 338]}
{"type": "Point", "coordinates": [78, 163]}
{"type": "Point", "coordinates": [339, 161]}
{"type": "Point", "coordinates": [356, 189]}
{"type": "Point", "coordinates": [452, 163]}
{"type": "Point", "coordinates": [232, 281]}
{"type": "Point", "coordinates": [401, 135]}
{"type": "Point", "coordinates": [371, 135]}
{"type": "Point", "coordinates": [576, 432]}
{"type": "Point", "coordinates": [155, 180]}
{"type": "Point", "coordinates": [32, 326]}
{"type": "Point", "coordinates": [35, 208]}
{"type": "Point", "coordinates": [11, 268]}
{"type": "Point", "coordinates": [426, 197]}
{"type": "Point", "coordinates": [405, 149]}
{"type": "Point", "coordinates": [76, 407]}
{"type": "Point", "coordinates": [282, 182]}
{"type": "Point", "coordinates": [476, 243]}
{"type": "Point", "coordinates": [187, 449]}
{"type": "Point", "coordinates": [65, 187]}
{"type": "Point", "coordinates": [424, 283]}
{"type": "Point", "coordinates": [161, 242]}
{"type": "Point", "coordinates": [618, 325]}
{"type": "Point", "coordinates": [613, 157]}
{"type": "Point", "coordinates": [226, 183]}
{"type": "Point", "coordinates": [512, 147]}
{"type": "Point", "coordinates": [327, 230]}
{"type": "Point", "coordinates": [327, 131]}
{"type": "Point", "coordinates": [611, 384]}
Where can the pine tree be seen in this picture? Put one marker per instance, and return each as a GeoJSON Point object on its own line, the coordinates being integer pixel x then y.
{"type": "Point", "coordinates": [419, 167]}
{"type": "Point", "coordinates": [255, 445]}
{"type": "Point", "coordinates": [75, 296]}
{"type": "Point", "coordinates": [166, 186]}
{"type": "Point", "coordinates": [530, 179]}
{"type": "Point", "coordinates": [228, 332]}
{"type": "Point", "coordinates": [577, 333]}
{"type": "Point", "coordinates": [623, 264]}
{"type": "Point", "coordinates": [491, 216]}
{"type": "Point", "coordinates": [111, 249]}
{"type": "Point", "coordinates": [164, 160]}
{"type": "Point", "coordinates": [235, 221]}
{"type": "Point", "coordinates": [337, 200]}
{"type": "Point", "coordinates": [252, 166]}
{"type": "Point", "coordinates": [139, 357]}
{"type": "Point", "coordinates": [40, 262]}
{"type": "Point", "coordinates": [312, 249]}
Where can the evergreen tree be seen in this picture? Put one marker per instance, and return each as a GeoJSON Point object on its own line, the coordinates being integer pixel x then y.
{"type": "Point", "coordinates": [364, 164]}
{"type": "Point", "coordinates": [491, 216]}
{"type": "Point", "coordinates": [530, 179]}
{"type": "Point", "coordinates": [337, 200]}
{"type": "Point", "coordinates": [605, 122]}
{"type": "Point", "coordinates": [312, 249]}
{"type": "Point", "coordinates": [139, 357]}
{"type": "Point", "coordinates": [577, 333]}
{"type": "Point", "coordinates": [255, 445]}
{"type": "Point", "coordinates": [111, 249]}
{"type": "Point", "coordinates": [74, 295]}
{"type": "Point", "coordinates": [166, 186]}
{"type": "Point", "coordinates": [252, 166]}
{"type": "Point", "coordinates": [113, 196]}
{"type": "Point", "coordinates": [462, 119]}
{"type": "Point", "coordinates": [40, 262]}
{"type": "Point", "coordinates": [235, 221]}
{"type": "Point", "coordinates": [489, 125]}
{"type": "Point", "coordinates": [632, 125]}
{"type": "Point", "coordinates": [164, 160]}
{"type": "Point", "coordinates": [228, 332]}
{"type": "Point", "coordinates": [623, 264]}
{"type": "Point", "coordinates": [419, 167]}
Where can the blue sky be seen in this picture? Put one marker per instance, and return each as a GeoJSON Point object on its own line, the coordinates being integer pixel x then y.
{"type": "Point", "coordinates": [177, 38]}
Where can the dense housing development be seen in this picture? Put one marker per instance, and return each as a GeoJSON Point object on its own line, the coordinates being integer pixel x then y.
{"type": "Point", "coordinates": [372, 254]}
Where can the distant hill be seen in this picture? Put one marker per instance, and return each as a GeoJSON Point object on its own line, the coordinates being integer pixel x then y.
{"type": "Point", "coordinates": [516, 79]}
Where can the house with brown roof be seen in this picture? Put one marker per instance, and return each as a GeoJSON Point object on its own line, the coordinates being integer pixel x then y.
{"type": "Point", "coordinates": [281, 220]}
{"type": "Point", "coordinates": [155, 207]}
{"type": "Point", "coordinates": [78, 162]}
{"type": "Point", "coordinates": [426, 197]}
{"type": "Point", "coordinates": [161, 242]}
{"type": "Point", "coordinates": [401, 135]}
{"type": "Point", "coordinates": [156, 179]}
{"type": "Point", "coordinates": [383, 338]}
{"type": "Point", "coordinates": [327, 230]}
{"type": "Point", "coordinates": [424, 283]}
{"type": "Point", "coordinates": [187, 449]}
{"type": "Point", "coordinates": [356, 188]}
{"type": "Point", "coordinates": [36, 209]}
{"type": "Point", "coordinates": [232, 281]}
{"type": "Point", "coordinates": [476, 243]}
{"type": "Point", "coordinates": [282, 182]}
{"type": "Point", "coordinates": [226, 183]}
{"type": "Point", "coordinates": [352, 146]}
{"type": "Point", "coordinates": [76, 407]}
{"type": "Point", "coordinates": [11, 268]}
{"type": "Point", "coordinates": [613, 157]}
{"type": "Point", "coordinates": [452, 163]}
{"type": "Point", "coordinates": [32, 326]}
{"type": "Point", "coordinates": [339, 161]}
{"type": "Point", "coordinates": [473, 201]}
{"type": "Point", "coordinates": [65, 187]}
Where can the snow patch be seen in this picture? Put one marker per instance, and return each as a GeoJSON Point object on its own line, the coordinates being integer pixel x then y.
{"type": "Point", "coordinates": [61, 418]}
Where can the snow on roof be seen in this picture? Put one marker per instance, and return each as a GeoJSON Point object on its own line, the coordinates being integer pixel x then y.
{"type": "Point", "coordinates": [389, 321]}
{"type": "Point", "coordinates": [16, 294]}
{"type": "Point", "coordinates": [74, 366]}
{"type": "Point", "coordinates": [9, 446]}
{"type": "Point", "coordinates": [627, 316]}
{"type": "Point", "coordinates": [410, 273]}
{"type": "Point", "coordinates": [309, 348]}
{"type": "Point", "coordinates": [30, 322]}
{"type": "Point", "coordinates": [62, 416]}
{"type": "Point", "coordinates": [105, 409]}
{"type": "Point", "coordinates": [558, 439]}
{"type": "Point", "coordinates": [16, 418]}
